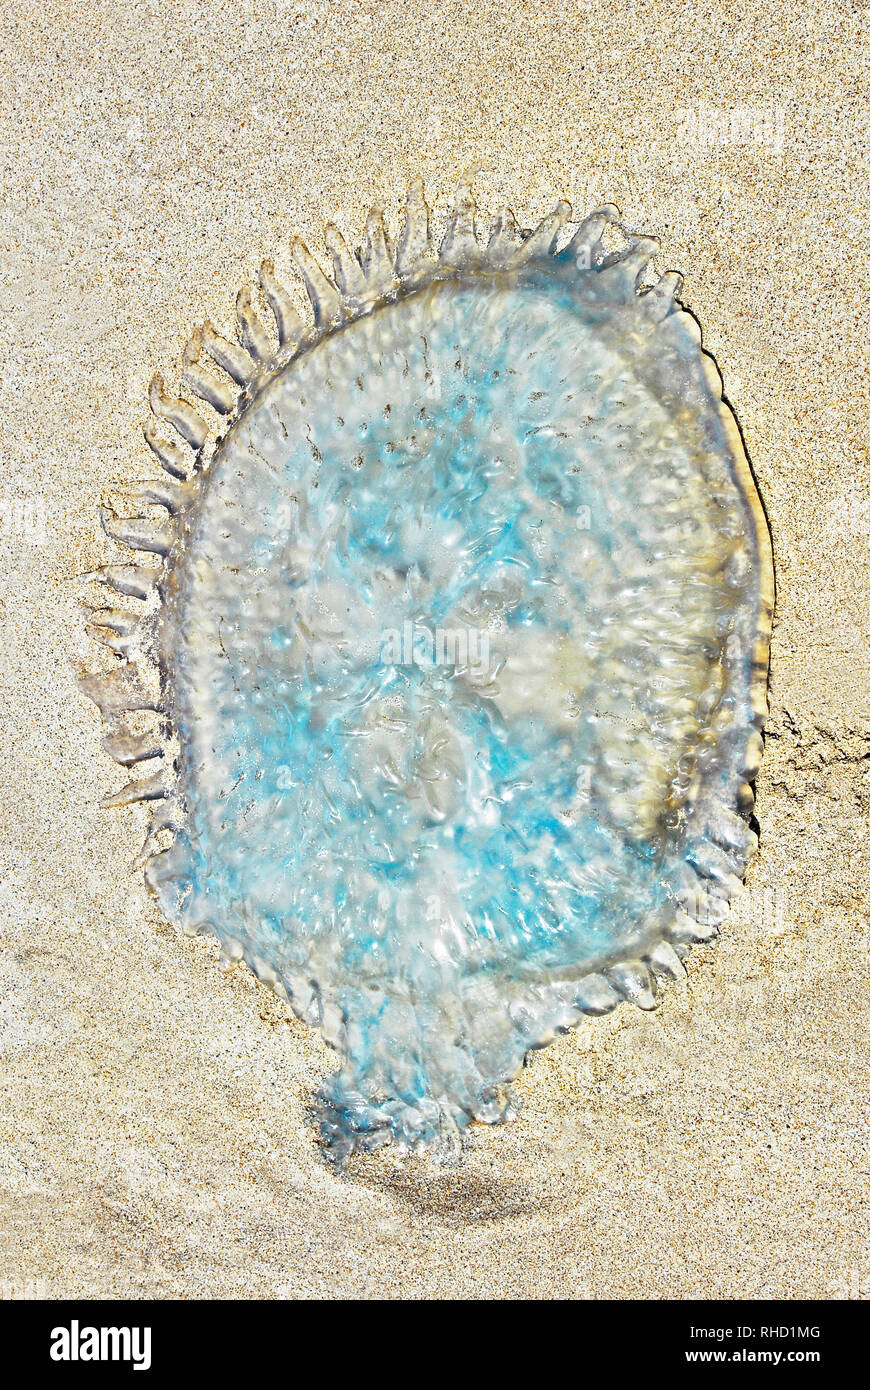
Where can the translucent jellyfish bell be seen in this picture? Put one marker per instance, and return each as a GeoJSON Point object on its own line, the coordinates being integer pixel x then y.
{"type": "Point", "coordinates": [462, 639]}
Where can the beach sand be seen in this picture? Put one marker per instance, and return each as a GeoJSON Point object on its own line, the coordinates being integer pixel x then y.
{"type": "Point", "coordinates": [154, 1137]}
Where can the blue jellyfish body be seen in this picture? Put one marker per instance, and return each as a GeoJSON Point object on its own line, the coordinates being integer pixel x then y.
{"type": "Point", "coordinates": [460, 647]}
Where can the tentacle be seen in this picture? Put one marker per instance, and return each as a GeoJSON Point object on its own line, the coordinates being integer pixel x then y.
{"type": "Point", "coordinates": [177, 413]}
{"type": "Point", "coordinates": [542, 241]}
{"type": "Point", "coordinates": [633, 982]}
{"type": "Point", "coordinates": [142, 789]}
{"type": "Point", "coordinates": [415, 252]}
{"type": "Point", "coordinates": [173, 457]}
{"type": "Point", "coordinates": [595, 995]}
{"type": "Point", "coordinates": [168, 867]}
{"type": "Point", "coordinates": [215, 393]}
{"type": "Point", "coordinates": [459, 246]}
{"type": "Point", "coordinates": [348, 272]}
{"type": "Point", "coordinates": [235, 361]}
{"type": "Point", "coordinates": [665, 962]}
{"type": "Point", "coordinates": [325, 299]}
{"type": "Point", "coordinates": [118, 619]}
{"type": "Point", "coordinates": [685, 930]}
{"type": "Point", "coordinates": [586, 247]}
{"type": "Point", "coordinates": [251, 333]}
{"type": "Point", "coordinates": [377, 261]}
{"type": "Point", "coordinates": [134, 581]}
{"type": "Point", "coordinates": [165, 817]}
{"type": "Point", "coordinates": [504, 238]}
{"type": "Point", "coordinates": [660, 299]}
{"type": "Point", "coordinates": [139, 533]}
{"type": "Point", "coordinates": [121, 643]}
{"type": "Point", "coordinates": [633, 265]}
{"type": "Point", "coordinates": [160, 492]}
{"type": "Point", "coordinates": [128, 748]}
{"type": "Point", "coordinates": [288, 321]}
{"type": "Point", "coordinates": [117, 691]}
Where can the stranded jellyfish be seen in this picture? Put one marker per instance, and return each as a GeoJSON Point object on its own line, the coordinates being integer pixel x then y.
{"type": "Point", "coordinates": [450, 667]}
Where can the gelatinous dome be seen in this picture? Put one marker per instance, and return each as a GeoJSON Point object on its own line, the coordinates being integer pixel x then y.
{"type": "Point", "coordinates": [464, 650]}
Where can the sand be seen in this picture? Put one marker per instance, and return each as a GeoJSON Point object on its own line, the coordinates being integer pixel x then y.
{"type": "Point", "coordinates": [154, 1138]}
